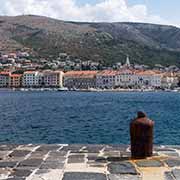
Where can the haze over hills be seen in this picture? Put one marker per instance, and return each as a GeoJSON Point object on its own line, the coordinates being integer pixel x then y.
{"type": "Point", "coordinates": [105, 42]}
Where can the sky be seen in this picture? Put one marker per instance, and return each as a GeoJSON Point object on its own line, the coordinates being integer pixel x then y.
{"type": "Point", "coordinates": [148, 11]}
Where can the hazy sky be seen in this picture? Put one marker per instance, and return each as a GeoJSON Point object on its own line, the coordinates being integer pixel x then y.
{"type": "Point", "coordinates": [152, 11]}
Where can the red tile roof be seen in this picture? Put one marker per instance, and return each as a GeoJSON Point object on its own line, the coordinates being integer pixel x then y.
{"type": "Point", "coordinates": [29, 72]}
{"type": "Point", "coordinates": [15, 75]}
{"type": "Point", "coordinates": [147, 73]}
{"type": "Point", "coordinates": [5, 73]}
{"type": "Point", "coordinates": [83, 74]}
{"type": "Point", "coordinates": [108, 73]}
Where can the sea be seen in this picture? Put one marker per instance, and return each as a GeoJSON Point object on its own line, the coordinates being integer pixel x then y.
{"type": "Point", "coordinates": [85, 117]}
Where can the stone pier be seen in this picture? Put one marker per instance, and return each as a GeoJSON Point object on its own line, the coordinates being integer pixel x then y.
{"type": "Point", "coordinates": [86, 162]}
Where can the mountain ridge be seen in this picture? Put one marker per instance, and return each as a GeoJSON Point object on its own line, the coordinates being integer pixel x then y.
{"type": "Point", "coordinates": [145, 43]}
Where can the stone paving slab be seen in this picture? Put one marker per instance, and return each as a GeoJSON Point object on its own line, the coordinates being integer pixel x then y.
{"type": "Point", "coordinates": [92, 156]}
{"type": "Point", "coordinates": [76, 158]}
{"type": "Point", "coordinates": [116, 159]}
{"type": "Point", "coordinates": [93, 148]}
{"type": "Point", "coordinates": [8, 164]}
{"type": "Point", "coordinates": [169, 153]}
{"type": "Point", "coordinates": [164, 149]}
{"type": "Point", "coordinates": [123, 177]}
{"type": "Point", "coordinates": [86, 162]}
{"type": "Point", "coordinates": [48, 147]}
{"type": "Point", "coordinates": [20, 173]}
{"type": "Point", "coordinates": [173, 162]}
{"type": "Point", "coordinates": [112, 154]}
{"type": "Point", "coordinates": [19, 153]}
{"type": "Point", "coordinates": [153, 173]}
{"type": "Point", "coordinates": [94, 164]}
{"type": "Point", "coordinates": [51, 174]}
{"type": "Point", "coordinates": [38, 155]}
{"type": "Point", "coordinates": [84, 176]}
{"type": "Point", "coordinates": [120, 148]}
{"type": "Point", "coordinates": [4, 173]}
{"type": "Point", "coordinates": [122, 168]}
{"type": "Point", "coordinates": [3, 154]}
{"type": "Point", "coordinates": [30, 163]}
{"type": "Point", "coordinates": [52, 165]}
{"type": "Point", "coordinates": [176, 173]}
{"type": "Point", "coordinates": [168, 176]}
{"type": "Point", "coordinates": [72, 148]}
{"type": "Point", "coordinates": [149, 163]}
{"type": "Point", "coordinates": [9, 147]}
{"type": "Point", "coordinates": [58, 158]}
{"type": "Point", "coordinates": [16, 178]}
{"type": "Point", "coordinates": [101, 159]}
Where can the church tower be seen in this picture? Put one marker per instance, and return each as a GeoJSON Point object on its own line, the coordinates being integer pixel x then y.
{"type": "Point", "coordinates": [127, 64]}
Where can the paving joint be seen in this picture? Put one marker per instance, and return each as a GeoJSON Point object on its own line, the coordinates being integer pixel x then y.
{"type": "Point", "coordinates": [79, 162]}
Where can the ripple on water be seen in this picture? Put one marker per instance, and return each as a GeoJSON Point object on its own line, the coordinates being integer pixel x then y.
{"type": "Point", "coordinates": [52, 117]}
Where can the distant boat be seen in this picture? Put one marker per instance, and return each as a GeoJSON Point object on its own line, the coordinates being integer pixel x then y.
{"type": "Point", "coordinates": [175, 90]}
{"type": "Point", "coordinates": [167, 90]}
{"type": "Point", "coordinates": [24, 89]}
{"type": "Point", "coordinates": [93, 90]}
{"type": "Point", "coordinates": [63, 89]}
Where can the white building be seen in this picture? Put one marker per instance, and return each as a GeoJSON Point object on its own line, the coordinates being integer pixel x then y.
{"type": "Point", "coordinates": [124, 78]}
{"type": "Point", "coordinates": [127, 64]}
{"type": "Point", "coordinates": [147, 79]}
{"type": "Point", "coordinates": [53, 78]}
{"type": "Point", "coordinates": [80, 79]}
{"type": "Point", "coordinates": [32, 79]}
{"type": "Point", "coordinates": [106, 79]}
{"type": "Point", "coordinates": [127, 78]}
{"type": "Point", "coordinates": [169, 80]}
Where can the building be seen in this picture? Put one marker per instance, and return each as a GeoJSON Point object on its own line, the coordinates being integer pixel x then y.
{"type": "Point", "coordinates": [124, 78]}
{"type": "Point", "coordinates": [4, 79]}
{"type": "Point", "coordinates": [147, 78]}
{"type": "Point", "coordinates": [169, 80]}
{"type": "Point", "coordinates": [106, 79]}
{"type": "Point", "coordinates": [127, 64]}
{"type": "Point", "coordinates": [52, 78]}
{"type": "Point", "coordinates": [32, 79]}
{"type": "Point", "coordinates": [80, 79]}
{"type": "Point", "coordinates": [15, 80]}
{"type": "Point", "coordinates": [12, 55]}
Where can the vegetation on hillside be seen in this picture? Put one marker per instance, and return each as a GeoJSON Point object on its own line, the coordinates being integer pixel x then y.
{"type": "Point", "coordinates": [104, 42]}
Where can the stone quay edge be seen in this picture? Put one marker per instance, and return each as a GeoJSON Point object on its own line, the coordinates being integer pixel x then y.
{"type": "Point", "coordinates": [86, 162]}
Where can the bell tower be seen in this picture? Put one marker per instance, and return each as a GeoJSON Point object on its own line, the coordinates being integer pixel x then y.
{"type": "Point", "coordinates": [127, 64]}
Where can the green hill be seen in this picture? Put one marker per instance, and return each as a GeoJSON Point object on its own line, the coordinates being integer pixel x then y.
{"type": "Point", "coordinates": [148, 44]}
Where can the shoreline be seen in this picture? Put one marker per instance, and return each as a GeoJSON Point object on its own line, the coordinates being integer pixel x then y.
{"type": "Point", "coordinates": [85, 90]}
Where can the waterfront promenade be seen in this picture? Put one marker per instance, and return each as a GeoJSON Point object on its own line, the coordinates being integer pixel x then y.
{"type": "Point", "coordinates": [86, 162]}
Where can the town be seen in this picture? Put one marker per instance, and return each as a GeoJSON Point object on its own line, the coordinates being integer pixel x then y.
{"type": "Point", "coordinates": [18, 71]}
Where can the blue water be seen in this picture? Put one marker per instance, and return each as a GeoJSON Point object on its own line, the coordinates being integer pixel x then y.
{"type": "Point", "coordinates": [77, 117]}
